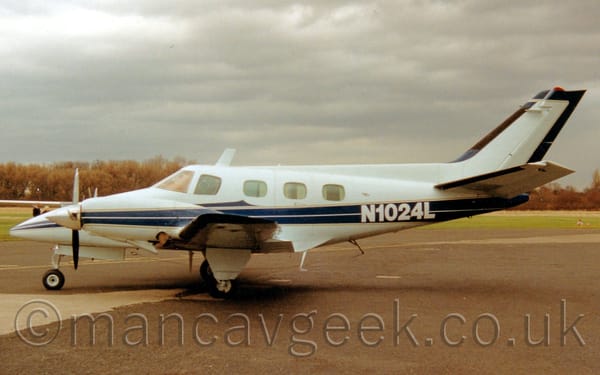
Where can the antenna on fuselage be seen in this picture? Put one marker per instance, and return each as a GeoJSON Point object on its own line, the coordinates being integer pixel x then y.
{"type": "Point", "coordinates": [302, 269]}
{"type": "Point", "coordinates": [226, 158]}
{"type": "Point", "coordinates": [355, 243]}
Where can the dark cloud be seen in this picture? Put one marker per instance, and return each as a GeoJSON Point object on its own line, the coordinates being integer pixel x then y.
{"type": "Point", "coordinates": [288, 83]}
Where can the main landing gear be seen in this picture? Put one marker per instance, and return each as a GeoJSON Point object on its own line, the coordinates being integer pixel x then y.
{"type": "Point", "coordinates": [217, 288]}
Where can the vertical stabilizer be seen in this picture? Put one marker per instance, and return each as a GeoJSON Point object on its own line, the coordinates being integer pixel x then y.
{"type": "Point", "coordinates": [525, 136]}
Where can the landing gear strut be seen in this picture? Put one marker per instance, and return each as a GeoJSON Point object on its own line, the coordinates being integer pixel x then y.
{"type": "Point", "coordinates": [217, 288]}
{"type": "Point", "coordinates": [54, 279]}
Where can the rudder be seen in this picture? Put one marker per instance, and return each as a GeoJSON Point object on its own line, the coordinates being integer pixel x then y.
{"type": "Point", "coordinates": [525, 136]}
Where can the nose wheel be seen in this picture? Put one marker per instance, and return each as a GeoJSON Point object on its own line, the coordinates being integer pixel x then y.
{"type": "Point", "coordinates": [53, 279]}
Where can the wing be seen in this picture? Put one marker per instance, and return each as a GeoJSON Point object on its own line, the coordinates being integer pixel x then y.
{"type": "Point", "coordinates": [6, 202]}
{"type": "Point", "coordinates": [510, 182]}
{"type": "Point", "coordinates": [218, 230]}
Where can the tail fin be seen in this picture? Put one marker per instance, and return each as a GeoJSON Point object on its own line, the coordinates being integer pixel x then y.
{"type": "Point", "coordinates": [525, 136]}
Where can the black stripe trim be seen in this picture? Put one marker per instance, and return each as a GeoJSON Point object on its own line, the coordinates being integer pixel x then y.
{"type": "Point", "coordinates": [481, 177]}
{"type": "Point", "coordinates": [573, 97]}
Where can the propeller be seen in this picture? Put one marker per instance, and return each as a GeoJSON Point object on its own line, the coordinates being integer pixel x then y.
{"type": "Point", "coordinates": [75, 244]}
{"type": "Point", "coordinates": [75, 232]}
{"type": "Point", "coordinates": [70, 217]}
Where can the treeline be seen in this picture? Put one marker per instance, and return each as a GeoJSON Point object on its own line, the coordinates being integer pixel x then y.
{"type": "Point", "coordinates": [555, 197]}
{"type": "Point", "coordinates": [55, 181]}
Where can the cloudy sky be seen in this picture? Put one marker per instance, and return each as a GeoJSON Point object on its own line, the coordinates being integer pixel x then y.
{"type": "Point", "coordinates": [296, 83]}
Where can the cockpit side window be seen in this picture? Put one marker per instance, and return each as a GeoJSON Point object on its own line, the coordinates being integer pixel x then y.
{"type": "Point", "coordinates": [208, 185]}
{"type": "Point", "coordinates": [179, 182]}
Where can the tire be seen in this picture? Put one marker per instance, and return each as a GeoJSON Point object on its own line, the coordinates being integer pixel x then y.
{"type": "Point", "coordinates": [224, 290]}
{"type": "Point", "coordinates": [206, 273]}
{"type": "Point", "coordinates": [53, 280]}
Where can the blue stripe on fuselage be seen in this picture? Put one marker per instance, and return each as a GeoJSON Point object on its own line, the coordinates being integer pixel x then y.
{"type": "Point", "coordinates": [35, 225]}
{"type": "Point", "coordinates": [443, 210]}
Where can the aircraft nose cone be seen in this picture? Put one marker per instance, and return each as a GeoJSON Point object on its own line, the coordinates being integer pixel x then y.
{"type": "Point", "coordinates": [28, 229]}
{"type": "Point", "coordinates": [68, 217]}
{"type": "Point", "coordinates": [14, 231]}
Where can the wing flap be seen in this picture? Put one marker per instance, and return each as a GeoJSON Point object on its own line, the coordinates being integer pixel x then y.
{"type": "Point", "coordinates": [510, 182]}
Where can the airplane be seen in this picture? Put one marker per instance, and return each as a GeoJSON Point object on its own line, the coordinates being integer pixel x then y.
{"type": "Point", "coordinates": [228, 213]}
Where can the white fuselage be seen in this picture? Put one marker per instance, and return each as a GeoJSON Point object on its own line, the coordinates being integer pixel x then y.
{"type": "Point", "coordinates": [228, 212]}
{"type": "Point", "coordinates": [336, 203]}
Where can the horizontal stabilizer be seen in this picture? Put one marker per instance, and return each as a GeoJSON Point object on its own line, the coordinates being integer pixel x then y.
{"type": "Point", "coordinates": [508, 183]}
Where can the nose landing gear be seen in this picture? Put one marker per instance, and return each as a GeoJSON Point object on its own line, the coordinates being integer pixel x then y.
{"type": "Point", "coordinates": [53, 279]}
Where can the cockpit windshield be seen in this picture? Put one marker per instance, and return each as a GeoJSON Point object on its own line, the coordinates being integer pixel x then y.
{"type": "Point", "coordinates": [178, 182]}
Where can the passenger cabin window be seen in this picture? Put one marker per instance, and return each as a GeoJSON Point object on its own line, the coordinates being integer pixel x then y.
{"type": "Point", "coordinates": [208, 185]}
{"type": "Point", "coordinates": [294, 190]}
{"type": "Point", "coordinates": [179, 182]}
{"type": "Point", "coordinates": [333, 192]}
{"type": "Point", "coordinates": [255, 188]}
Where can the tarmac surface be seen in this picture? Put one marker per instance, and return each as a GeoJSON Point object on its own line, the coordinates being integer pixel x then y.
{"type": "Point", "coordinates": [420, 301]}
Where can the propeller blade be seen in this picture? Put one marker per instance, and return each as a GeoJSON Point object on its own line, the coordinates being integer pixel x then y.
{"type": "Point", "coordinates": [75, 216]}
{"type": "Point", "coordinates": [76, 187]}
{"type": "Point", "coordinates": [75, 244]}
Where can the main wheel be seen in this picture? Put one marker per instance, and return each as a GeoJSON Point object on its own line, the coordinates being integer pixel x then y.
{"type": "Point", "coordinates": [223, 288]}
{"type": "Point", "coordinates": [206, 273]}
{"type": "Point", "coordinates": [217, 289]}
{"type": "Point", "coordinates": [53, 280]}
